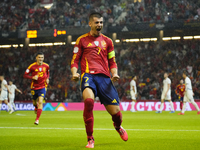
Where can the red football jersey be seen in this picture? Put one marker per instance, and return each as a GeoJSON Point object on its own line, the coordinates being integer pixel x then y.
{"type": "Point", "coordinates": [96, 54]}
{"type": "Point", "coordinates": [43, 73]}
{"type": "Point", "coordinates": [180, 89]}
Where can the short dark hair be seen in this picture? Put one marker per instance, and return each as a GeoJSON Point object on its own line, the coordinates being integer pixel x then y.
{"type": "Point", "coordinates": [185, 72]}
{"type": "Point", "coordinates": [39, 53]}
{"type": "Point", "coordinates": [134, 76]}
{"type": "Point", "coordinates": [94, 14]}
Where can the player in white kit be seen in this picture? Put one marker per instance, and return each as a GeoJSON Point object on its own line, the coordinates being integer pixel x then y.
{"type": "Point", "coordinates": [133, 92]}
{"type": "Point", "coordinates": [188, 95]}
{"type": "Point", "coordinates": [166, 93]}
{"type": "Point", "coordinates": [12, 89]}
{"type": "Point", "coordinates": [4, 93]}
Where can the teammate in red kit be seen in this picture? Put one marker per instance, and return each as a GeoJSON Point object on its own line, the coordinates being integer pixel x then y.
{"type": "Point", "coordinates": [180, 89]}
{"type": "Point", "coordinates": [96, 53]}
{"type": "Point", "coordinates": [40, 79]}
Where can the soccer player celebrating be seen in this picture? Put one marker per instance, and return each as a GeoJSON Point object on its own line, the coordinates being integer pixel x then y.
{"type": "Point", "coordinates": [12, 88]}
{"type": "Point", "coordinates": [188, 95]}
{"type": "Point", "coordinates": [180, 89]}
{"type": "Point", "coordinates": [133, 92]}
{"type": "Point", "coordinates": [40, 79]}
{"type": "Point", "coordinates": [4, 93]}
{"type": "Point", "coordinates": [96, 53]}
{"type": "Point", "coordinates": [166, 93]}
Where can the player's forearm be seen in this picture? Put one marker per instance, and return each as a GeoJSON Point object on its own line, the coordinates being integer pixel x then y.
{"type": "Point", "coordinates": [74, 70]}
{"type": "Point", "coordinates": [114, 71]}
{"type": "Point", "coordinates": [112, 63]}
{"type": "Point", "coordinates": [7, 88]}
{"type": "Point", "coordinates": [18, 90]}
{"type": "Point", "coordinates": [27, 76]}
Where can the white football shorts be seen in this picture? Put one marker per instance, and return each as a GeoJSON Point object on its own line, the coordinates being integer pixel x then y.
{"type": "Point", "coordinates": [132, 95]}
{"type": "Point", "coordinates": [167, 97]}
{"type": "Point", "coordinates": [4, 95]}
{"type": "Point", "coordinates": [188, 97]}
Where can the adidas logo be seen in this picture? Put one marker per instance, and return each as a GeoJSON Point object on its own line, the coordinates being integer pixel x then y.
{"type": "Point", "coordinates": [36, 70]}
{"type": "Point", "coordinates": [90, 44]}
{"type": "Point", "coordinates": [114, 101]}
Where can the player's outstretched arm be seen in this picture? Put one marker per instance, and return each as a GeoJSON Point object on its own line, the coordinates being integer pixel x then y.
{"type": "Point", "coordinates": [115, 76]}
{"type": "Point", "coordinates": [19, 91]}
{"type": "Point", "coordinates": [75, 75]}
{"type": "Point", "coordinates": [7, 88]}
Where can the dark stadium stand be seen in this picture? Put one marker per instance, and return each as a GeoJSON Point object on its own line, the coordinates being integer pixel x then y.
{"type": "Point", "coordinates": [16, 13]}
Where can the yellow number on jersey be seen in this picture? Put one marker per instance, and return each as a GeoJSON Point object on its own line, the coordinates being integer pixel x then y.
{"type": "Point", "coordinates": [86, 79]}
{"type": "Point", "coordinates": [99, 50]}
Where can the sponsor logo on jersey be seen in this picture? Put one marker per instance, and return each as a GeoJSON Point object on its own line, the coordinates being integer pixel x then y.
{"type": "Point", "coordinates": [42, 94]}
{"type": "Point", "coordinates": [96, 43]}
{"type": "Point", "coordinates": [86, 84]}
{"type": "Point", "coordinates": [90, 44]}
{"type": "Point", "coordinates": [114, 101]}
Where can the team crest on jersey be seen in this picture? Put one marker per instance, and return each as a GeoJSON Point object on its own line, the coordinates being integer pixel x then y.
{"type": "Point", "coordinates": [103, 43]}
{"type": "Point", "coordinates": [96, 43]}
{"type": "Point", "coordinates": [40, 69]}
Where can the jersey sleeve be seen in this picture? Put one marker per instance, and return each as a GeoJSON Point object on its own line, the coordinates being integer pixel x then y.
{"type": "Point", "coordinates": [131, 84]}
{"type": "Point", "coordinates": [111, 55]}
{"type": "Point", "coordinates": [177, 90]}
{"type": "Point", "coordinates": [169, 81]}
{"type": "Point", "coordinates": [77, 52]}
{"type": "Point", "coordinates": [4, 82]}
{"type": "Point", "coordinates": [27, 72]}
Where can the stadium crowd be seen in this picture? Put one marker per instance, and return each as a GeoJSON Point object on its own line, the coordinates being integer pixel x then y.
{"type": "Point", "coordinates": [147, 60]}
{"type": "Point", "coordinates": [73, 13]}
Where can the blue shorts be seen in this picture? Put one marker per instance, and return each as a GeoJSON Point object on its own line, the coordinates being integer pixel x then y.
{"type": "Point", "coordinates": [181, 98]}
{"type": "Point", "coordinates": [37, 93]}
{"type": "Point", "coordinates": [102, 87]}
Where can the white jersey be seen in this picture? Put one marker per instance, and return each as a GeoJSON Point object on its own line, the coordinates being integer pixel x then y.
{"type": "Point", "coordinates": [188, 84]}
{"type": "Point", "coordinates": [12, 89]}
{"type": "Point", "coordinates": [3, 87]}
{"type": "Point", "coordinates": [133, 83]}
{"type": "Point", "coordinates": [165, 84]}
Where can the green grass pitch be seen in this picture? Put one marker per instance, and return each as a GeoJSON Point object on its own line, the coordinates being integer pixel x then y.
{"type": "Point", "coordinates": [65, 131]}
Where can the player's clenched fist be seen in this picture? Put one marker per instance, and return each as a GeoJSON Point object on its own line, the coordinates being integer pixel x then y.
{"type": "Point", "coordinates": [75, 77]}
{"type": "Point", "coordinates": [115, 78]}
{"type": "Point", "coordinates": [35, 77]}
